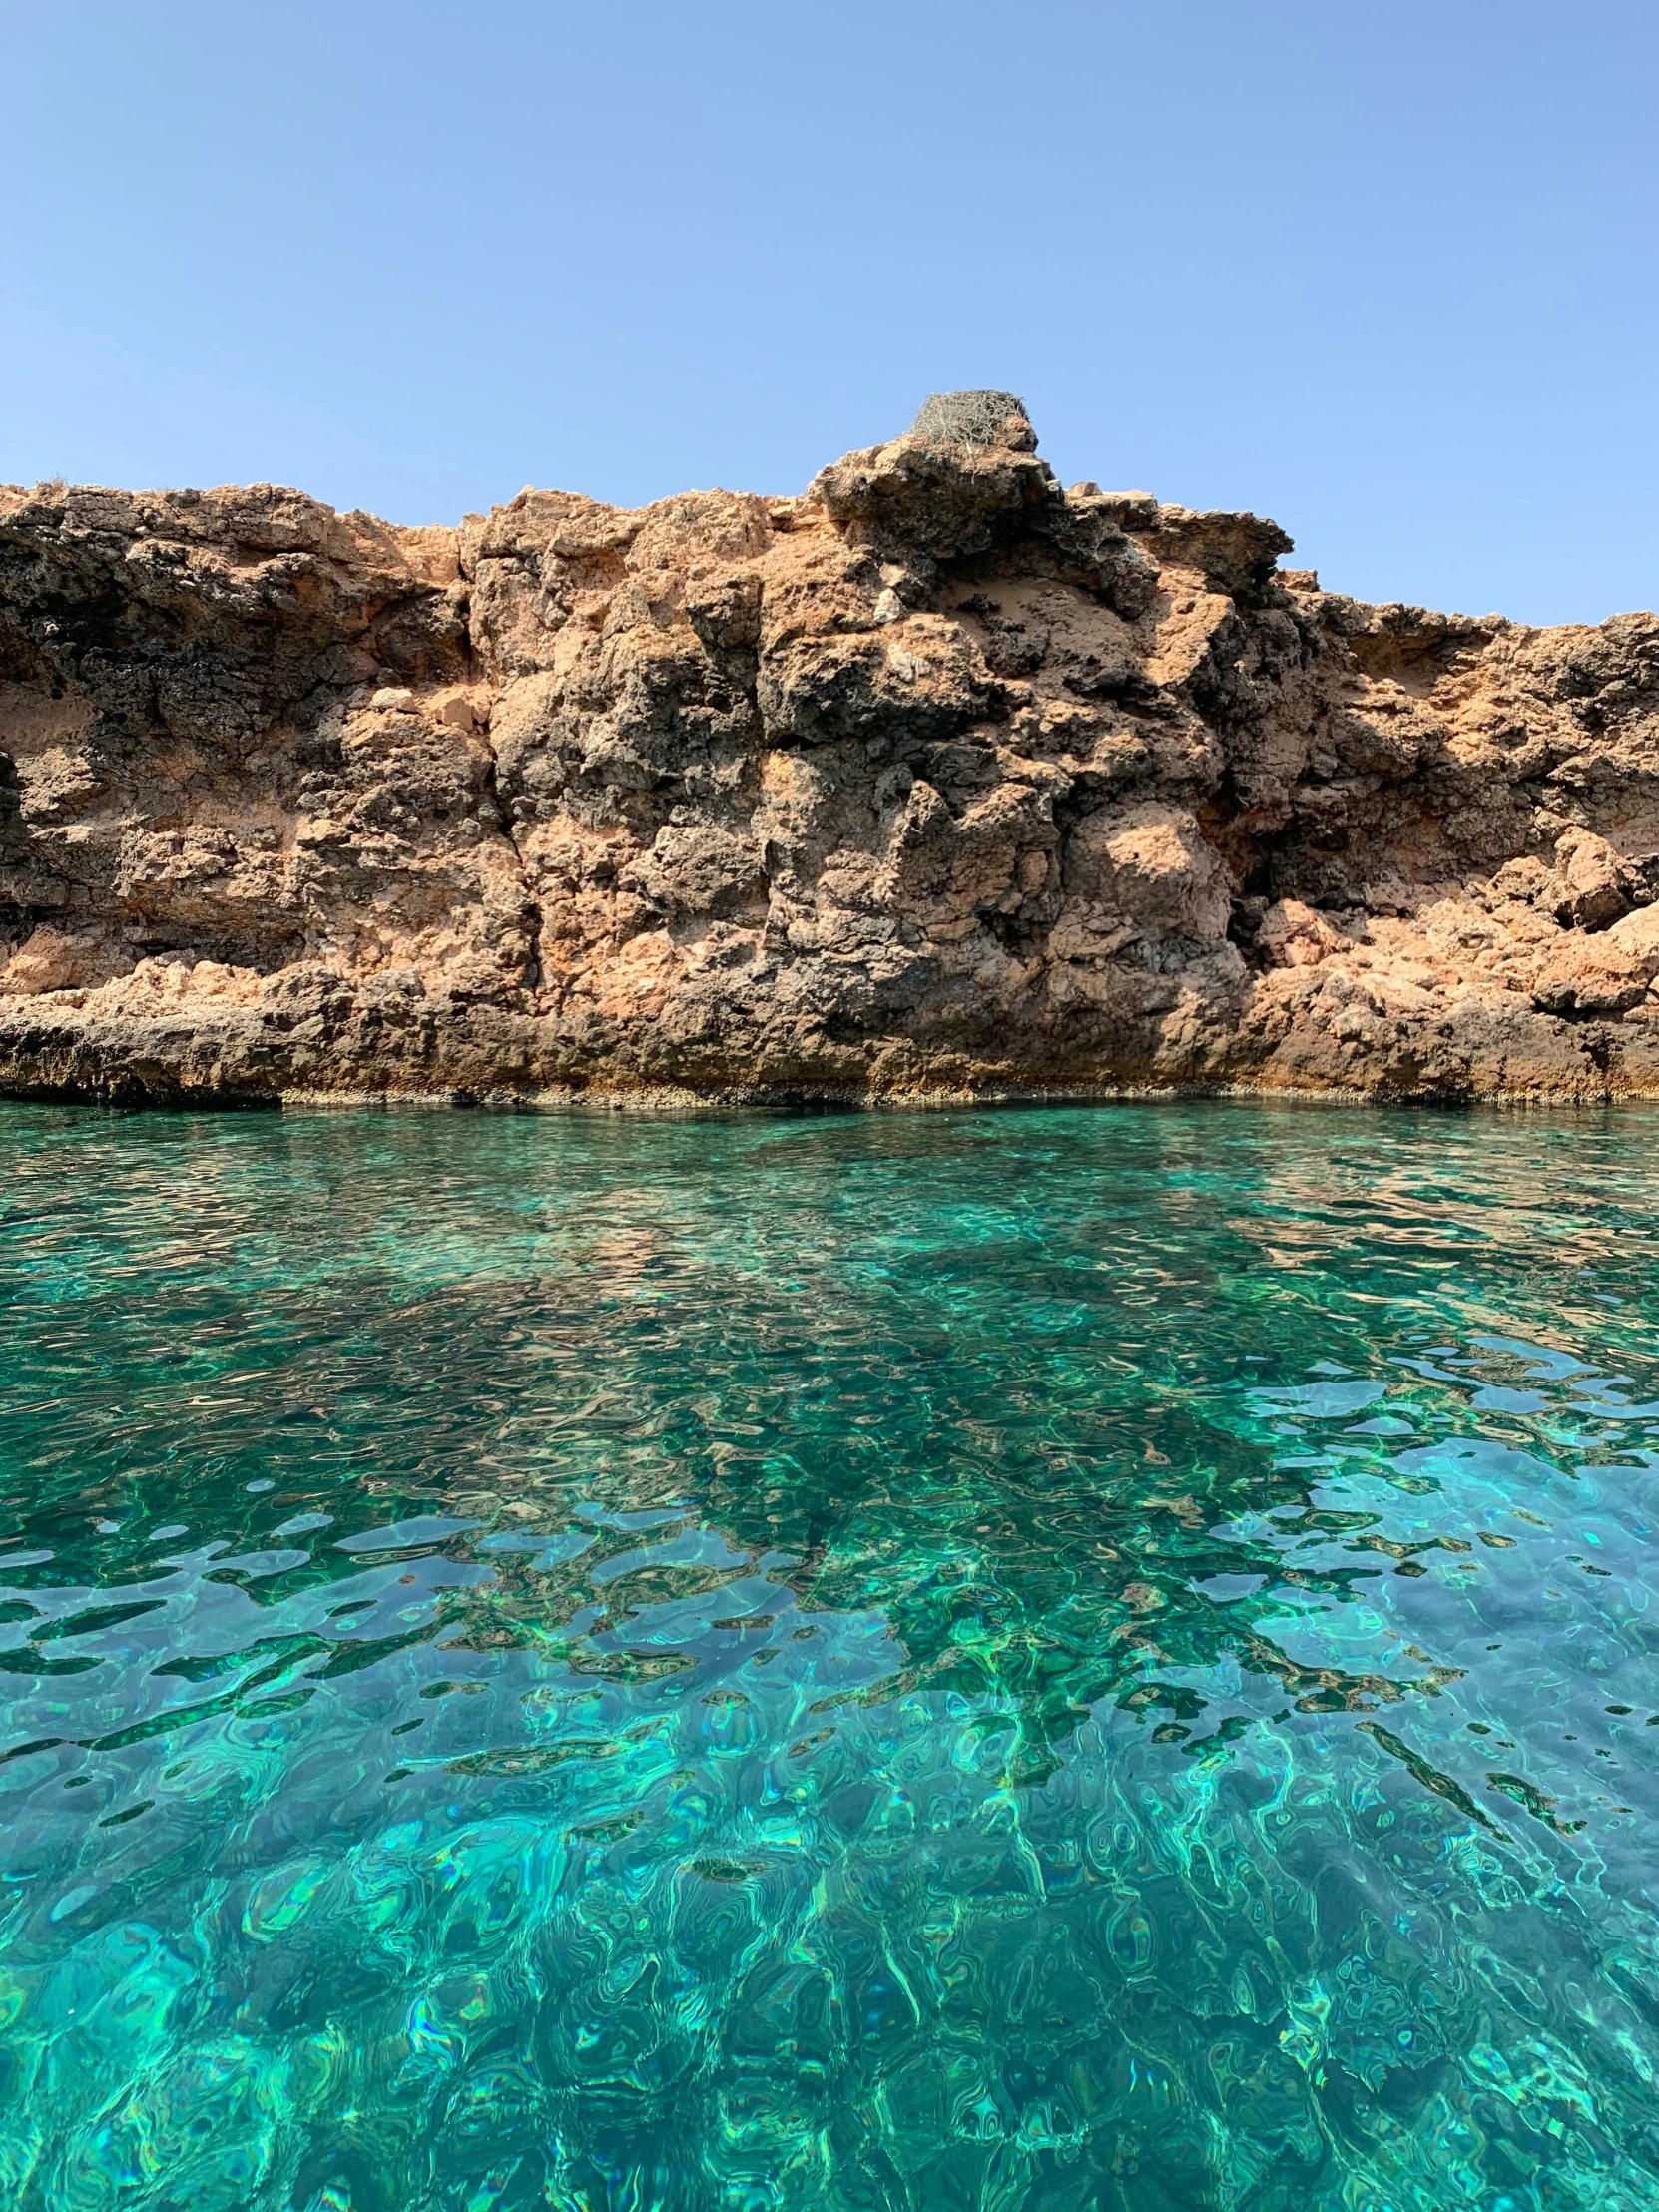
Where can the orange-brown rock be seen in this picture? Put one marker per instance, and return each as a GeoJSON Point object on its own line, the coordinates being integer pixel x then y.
{"type": "Point", "coordinates": [935, 780]}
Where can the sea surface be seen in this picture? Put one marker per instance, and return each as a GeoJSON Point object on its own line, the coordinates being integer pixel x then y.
{"type": "Point", "coordinates": [1088, 1661]}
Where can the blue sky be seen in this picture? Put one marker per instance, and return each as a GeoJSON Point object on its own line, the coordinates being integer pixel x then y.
{"type": "Point", "coordinates": [1383, 271]}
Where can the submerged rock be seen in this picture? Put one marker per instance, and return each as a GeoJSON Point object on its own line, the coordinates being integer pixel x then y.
{"type": "Point", "coordinates": [935, 780]}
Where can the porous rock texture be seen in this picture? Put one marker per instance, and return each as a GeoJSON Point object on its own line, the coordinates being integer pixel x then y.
{"type": "Point", "coordinates": [935, 780]}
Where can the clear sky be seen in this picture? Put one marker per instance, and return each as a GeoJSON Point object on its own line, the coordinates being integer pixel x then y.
{"type": "Point", "coordinates": [1382, 268]}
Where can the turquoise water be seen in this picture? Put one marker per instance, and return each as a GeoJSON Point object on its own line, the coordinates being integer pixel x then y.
{"type": "Point", "coordinates": [1098, 1659]}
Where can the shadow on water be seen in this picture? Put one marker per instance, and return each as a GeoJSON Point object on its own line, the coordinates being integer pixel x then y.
{"type": "Point", "coordinates": [1082, 1658]}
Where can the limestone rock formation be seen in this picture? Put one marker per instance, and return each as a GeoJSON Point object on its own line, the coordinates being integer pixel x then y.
{"type": "Point", "coordinates": [935, 780]}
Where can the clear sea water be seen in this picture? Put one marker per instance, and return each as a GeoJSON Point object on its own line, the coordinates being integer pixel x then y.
{"type": "Point", "coordinates": [1049, 1660]}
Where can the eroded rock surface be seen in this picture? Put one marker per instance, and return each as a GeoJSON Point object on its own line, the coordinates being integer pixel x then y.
{"type": "Point", "coordinates": [936, 779]}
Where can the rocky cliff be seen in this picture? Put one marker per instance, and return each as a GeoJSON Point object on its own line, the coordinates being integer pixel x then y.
{"type": "Point", "coordinates": [933, 779]}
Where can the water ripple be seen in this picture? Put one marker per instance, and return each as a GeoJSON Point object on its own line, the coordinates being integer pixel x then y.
{"type": "Point", "coordinates": [1051, 1660]}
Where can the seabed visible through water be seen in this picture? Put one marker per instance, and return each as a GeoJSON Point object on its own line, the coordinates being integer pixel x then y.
{"type": "Point", "coordinates": [1056, 1660]}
